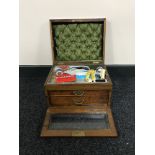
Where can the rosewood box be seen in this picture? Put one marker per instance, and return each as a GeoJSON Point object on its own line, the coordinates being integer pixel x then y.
{"type": "Point", "coordinates": [77, 107]}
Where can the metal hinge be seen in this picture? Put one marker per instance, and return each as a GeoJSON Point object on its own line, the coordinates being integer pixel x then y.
{"type": "Point", "coordinates": [95, 62]}
{"type": "Point", "coordinates": [60, 63]}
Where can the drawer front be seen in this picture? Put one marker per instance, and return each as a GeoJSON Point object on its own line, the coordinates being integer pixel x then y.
{"type": "Point", "coordinates": [79, 93]}
{"type": "Point", "coordinates": [67, 93]}
{"type": "Point", "coordinates": [90, 122]}
{"type": "Point", "coordinates": [70, 98]}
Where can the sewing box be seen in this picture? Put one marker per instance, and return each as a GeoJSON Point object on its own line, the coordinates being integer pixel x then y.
{"type": "Point", "coordinates": [78, 108]}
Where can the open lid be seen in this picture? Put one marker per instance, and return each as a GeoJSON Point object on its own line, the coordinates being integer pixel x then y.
{"type": "Point", "coordinates": [78, 41]}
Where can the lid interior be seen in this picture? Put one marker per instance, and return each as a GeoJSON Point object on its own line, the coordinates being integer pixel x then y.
{"type": "Point", "coordinates": [78, 41]}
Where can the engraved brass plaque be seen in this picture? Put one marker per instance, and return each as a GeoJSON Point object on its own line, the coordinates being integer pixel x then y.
{"type": "Point", "coordinates": [77, 133]}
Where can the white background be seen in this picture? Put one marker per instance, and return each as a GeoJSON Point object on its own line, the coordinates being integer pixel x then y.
{"type": "Point", "coordinates": [35, 35]}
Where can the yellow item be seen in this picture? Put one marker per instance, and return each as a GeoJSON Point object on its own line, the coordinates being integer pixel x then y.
{"type": "Point", "coordinates": [90, 76]}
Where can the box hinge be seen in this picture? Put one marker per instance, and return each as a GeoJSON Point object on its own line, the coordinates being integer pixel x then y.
{"type": "Point", "coordinates": [59, 63]}
{"type": "Point", "coordinates": [96, 62]}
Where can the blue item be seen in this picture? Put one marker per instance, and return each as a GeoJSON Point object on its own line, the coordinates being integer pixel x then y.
{"type": "Point", "coordinates": [81, 75]}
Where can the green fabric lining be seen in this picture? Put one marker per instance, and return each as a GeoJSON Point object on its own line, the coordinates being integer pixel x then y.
{"type": "Point", "coordinates": [78, 41]}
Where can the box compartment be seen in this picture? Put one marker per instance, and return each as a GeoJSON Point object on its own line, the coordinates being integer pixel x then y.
{"type": "Point", "coordinates": [79, 122]}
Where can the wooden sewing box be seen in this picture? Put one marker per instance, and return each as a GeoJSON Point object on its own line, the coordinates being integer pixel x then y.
{"type": "Point", "coordinates": [74, 108]}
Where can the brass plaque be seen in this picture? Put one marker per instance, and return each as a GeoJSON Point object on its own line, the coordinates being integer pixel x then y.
{"type": "Point", "coordinates": [78, 133]}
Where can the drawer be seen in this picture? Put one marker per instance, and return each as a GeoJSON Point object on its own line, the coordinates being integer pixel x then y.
{"type": "Point", "coordinates": [78, 122]}
{"type": "Point", "coordinates": [79, 93]}
{"type": "Point", "coordinates": [71, 98]}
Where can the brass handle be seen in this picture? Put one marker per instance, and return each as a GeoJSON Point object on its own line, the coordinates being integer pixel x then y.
{"type": "Point", "coordinates": [78, 92]}
{"type": "Point", "coordinates": [78, 101]}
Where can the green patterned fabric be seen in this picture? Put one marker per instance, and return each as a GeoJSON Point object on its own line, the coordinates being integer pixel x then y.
{"type": "Point", "coordinates": [78, 41]}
